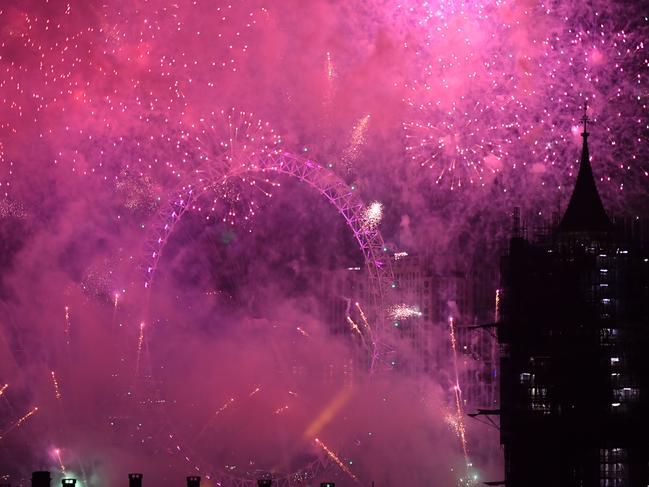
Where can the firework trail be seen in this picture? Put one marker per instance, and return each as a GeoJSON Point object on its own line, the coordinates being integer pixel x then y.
{"type": "Point", "coordinates": [224, 407]}
{"type": "Point", "coordinates": [354, 327]}
{"type": "Point", "coordinates": [57, 453]}
{"type": "Point", "coordinates": [255, 391]}
{"type": "Point", "coordinates": [458, 396]}
{"type": "Point", "coordinates": [302, 332]}
{"type": "Point", "coordinates": [372, 346]}
{"type": "Point", "coordinates": [497, 307]}
{"type": "Point", "coordinates": [140, 342]}
{"type": "Point", "coordinates": [67, 325]}
{"type": "Point", "coordinates": [281, 410]}
{"type": "Point", "coordinates": [366, 323]}
{"type": "Point", "coordinates": [3, 389]}
{"type": "Point", "coordinates": [55, 383]}
{"type": "Point", "coordinates": [357, 140]}
{"type": "Point", "coordinates": [217, 413]}
{"type": "Point", "coordinates": [331, 71]}
{"type": "Point", "coordinates": [337, 460]}
{"type": "Point", "coordinates": [19, 422]}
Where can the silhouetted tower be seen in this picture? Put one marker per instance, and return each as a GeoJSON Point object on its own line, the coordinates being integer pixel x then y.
{"type": "Point", "coordinates": [193, 482]}
{"type": "Point", "coordinates": [264, 483]}
{"type": "Point", "coordinates": [135, 480]}
{"type": "Point", "coordinates": [41, 479]}
{"type": "Point", "coordinates": [574, 336]}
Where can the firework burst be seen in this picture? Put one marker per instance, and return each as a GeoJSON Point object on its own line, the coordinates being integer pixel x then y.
{"type": "Point", "coordinates": [234, 159]}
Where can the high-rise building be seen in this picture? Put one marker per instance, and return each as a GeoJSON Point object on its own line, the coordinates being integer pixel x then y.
{"type": "Point", "coordinates": [574, 334]}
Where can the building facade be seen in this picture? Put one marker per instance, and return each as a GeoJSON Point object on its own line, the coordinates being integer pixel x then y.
{"type": "Point", "coordinates": [573, 335]}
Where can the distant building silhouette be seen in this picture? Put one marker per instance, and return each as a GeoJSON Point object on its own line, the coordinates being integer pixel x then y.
{"type": "Point", "coordinates": [264, 483]}
{"type": "Point", "coordinates": [41, 479]}
{"type": "Point", "coordinates": [135, 480]}
{"type": "Point", "coordinates": [574, 339]}
{"type": "Point", "coordinates": [193, 482]}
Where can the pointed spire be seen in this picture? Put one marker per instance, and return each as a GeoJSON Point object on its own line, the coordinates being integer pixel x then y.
{"type": "Point", "coordinates": [585, 212]}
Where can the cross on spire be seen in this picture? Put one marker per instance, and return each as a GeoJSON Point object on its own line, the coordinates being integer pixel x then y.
{"type": "Point", "coordinates": [585, 120]}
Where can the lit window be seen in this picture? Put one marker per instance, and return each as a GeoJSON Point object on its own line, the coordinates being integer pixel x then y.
{"type": "Point", "coordinates": [525, 377]}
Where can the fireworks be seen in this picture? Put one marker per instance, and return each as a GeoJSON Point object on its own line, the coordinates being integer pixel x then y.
{"type": "Point", "coordinates": [67, 325]}
{"type": "Point", "coordinates": [484, 103]}
{"type": "Point", "coordinates": [329, 65]}
{"type": "Point", "coordinates": [366, 323]}
{"type": "Point", "coordinates": [457, 146]}
{"type": "Point", "coordinates": [354, 326]}
{"type": "Point", "coordinates": [224, 407]}
{"type": "Point", "coordinates": [140, 342]}
{"type": "Point", "coordinates": [404, 311]}
{"type": "Point", "coordinates": [18, 423]}
{"type": "Point", "coordinates": [11, 209]}
{"type": "Point", "coordinates": [485, 94]}
{"type": "Point", "coordinates": [281, 410]}
{"type": "Point", "coordinates": [53, 78]}
{"type": "Point", "coordinates": [357, 140]}
{"type": "Point", "coordinates": [217, 413]}
{"type": "Point", "coordinates": [373, 215]}
{"type": "Point", "coordinates": [599, 53]}
{"type": "Point", "coordinates": [233, 158]}
{"type": "Point", "coordinates": [337, 460]}
{"type": "Point", "coordinates": [55, 383]}
{"type": "Point", "coordinates": [372, 346]}
{"type": "Point", "coordinates": [497, 307]}
{"type": "Point", "coordinates": [302, 332]}
{"type": "Point", "coordinates": [457, 392]}
{"type": "Point", "coordinates": [57, 453]}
